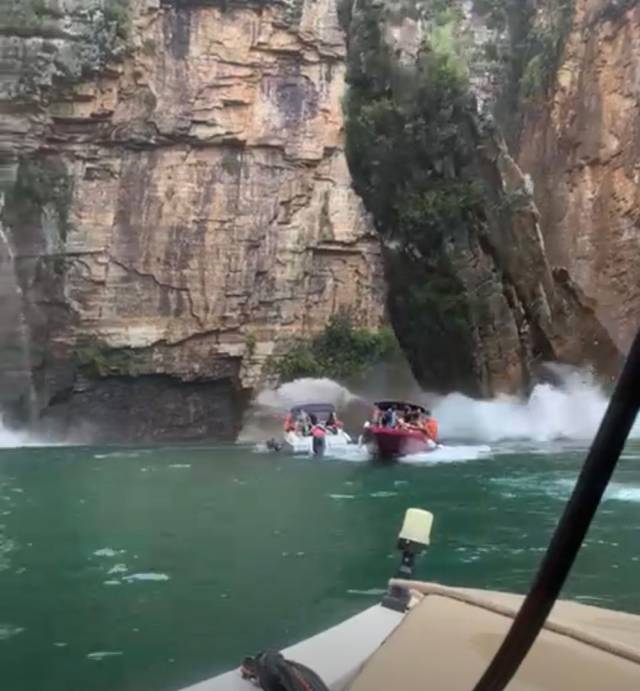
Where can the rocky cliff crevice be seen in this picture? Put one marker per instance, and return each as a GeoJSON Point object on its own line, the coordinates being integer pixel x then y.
{"type": "Point", "coordinates": [474, 299]}
{"type": "Point", "coordinates": [580, 144]}
{"type": "Point", "coordinates": [178, 201]}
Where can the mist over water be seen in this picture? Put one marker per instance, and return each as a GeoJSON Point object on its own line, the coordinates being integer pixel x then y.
{"type": "Point", "coordinates": [12, 439]}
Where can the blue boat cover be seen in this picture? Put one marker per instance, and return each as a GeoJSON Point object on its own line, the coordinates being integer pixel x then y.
{"type": "Point", "coordinates": [315, 408]}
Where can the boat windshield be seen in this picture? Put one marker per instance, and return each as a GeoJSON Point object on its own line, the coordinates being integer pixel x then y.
{"type": "Point", "coordinates": [320, 410]}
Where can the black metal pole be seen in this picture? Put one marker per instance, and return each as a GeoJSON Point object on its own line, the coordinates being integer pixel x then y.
{"type": "Point", "coordinates": [574, 524]}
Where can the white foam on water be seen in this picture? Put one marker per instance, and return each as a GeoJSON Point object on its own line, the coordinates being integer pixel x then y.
{"type": "Point", "coordinates": [383, 495]}
{"type": "Point", "coordinates": [448, 454]}
{"type": "Point", "coordinates": [571, 410]}
{"type": "Point", "coordinates": [12, 439]}
{"type": "Point", "coordinates": [180, 465]}
{"type": "Point", "coordinates": [122, 454]}
{"type": "Point", "coordinates": [342, 496]}
{"type": "Point", "coordinates": [619, 492]}
{"type": "Point", "coordinates": [102, 654]}
{"type": "Point", "coordinates": [149, 576]}
{"type": "Point", "coordinates": [108, 552]}
{"type": "Point", "coordinates": [118, 568]}
{"type": "Point", "coordinates": [561, 489]}
{"type": "Point", "coordinates": [616, 491]}
{"type": "Point", "coordinates": [368, 591]}
{"type": "Point", "coordinates": [9, 631]}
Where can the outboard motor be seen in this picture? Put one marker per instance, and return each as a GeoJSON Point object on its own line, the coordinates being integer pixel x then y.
{"type": "Point", "coordinates": [273, 445]}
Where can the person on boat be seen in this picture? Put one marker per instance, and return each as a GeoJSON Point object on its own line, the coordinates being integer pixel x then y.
{"type": "Point", "coordinates": [318, 434]}
{"type": "Point", "coordinates": [411, 422]}
{"type": "Point", "coordinates": [303, 424]}
{"type": "Point", "coordinates": [389, 418]}
{"type": "Point", "coordinates": [376, 417]}
{"type": "Point", "coordinates": [333, 425]}
{"type": "Point", "coordinates": [430, 426]}
{"type": "Point", "coordinates": [289, 423]}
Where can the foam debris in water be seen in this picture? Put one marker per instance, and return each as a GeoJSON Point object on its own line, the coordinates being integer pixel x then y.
{"type": "Point", "coordinates": [342, 496]}
{"type": "Point", "coordinates": [449, 454]}
{"type": "Point", "coordinates": [102, 654]}
{"type": "Point", "coordinates": [108, 552]}
{"type": "Point", "coordinates": [118, 568]}
{"type": "Point", "coordinates": [180, 465]}
{"type": "Point", "coordinates": [383, 495]}
{"type": "Point", "coordinates": [368, 591]}
{"type": "Point", "coordinates": [8, 631]}
{"type": "Point", "coordinates": [149, 576]}
{"type": "Point", "coordinates": [620, 492]}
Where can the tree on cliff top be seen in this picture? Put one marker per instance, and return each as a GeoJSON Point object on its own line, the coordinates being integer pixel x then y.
{"type": "Point", "coordinates": [410, 150]}
{"type": "Point", "coordinates": [340, 351]}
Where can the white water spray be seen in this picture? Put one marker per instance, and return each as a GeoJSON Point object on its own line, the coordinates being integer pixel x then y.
{"type": "Point", "coordinates": [305, 390]}
{"type": "Point", "coordinates": [266, 414]}
{"type": "Point", "coordinates": [16, 382]}
{"type": "Point", "coordinates": [10, 439]}
{"type": "Point", "coordinates": [572, 410]}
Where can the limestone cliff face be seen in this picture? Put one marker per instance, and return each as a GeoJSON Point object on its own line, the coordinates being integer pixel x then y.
{"type": "Point", "coordinates": [581, 144]}
{"type": "Point", "coordinates": [179, 204]}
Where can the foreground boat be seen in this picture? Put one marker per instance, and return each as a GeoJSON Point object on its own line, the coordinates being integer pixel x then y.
{"type": "Point", "coordinates": [445, 637]}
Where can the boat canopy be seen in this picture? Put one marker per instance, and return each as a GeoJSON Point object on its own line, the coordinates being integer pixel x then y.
{"type": "Point", "coordinates": [399, 405]}
{"type": "Point", "coordinates": [314, 408]}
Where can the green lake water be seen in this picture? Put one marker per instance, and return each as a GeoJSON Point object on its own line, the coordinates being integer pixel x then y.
{"type": "Point", "coordinates": [150, 569]}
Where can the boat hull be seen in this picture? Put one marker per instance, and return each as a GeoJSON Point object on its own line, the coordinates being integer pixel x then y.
{"type": "Point", "coordinates": [334, 443]}
{"type": "Point", "coordinates": [390, 443]}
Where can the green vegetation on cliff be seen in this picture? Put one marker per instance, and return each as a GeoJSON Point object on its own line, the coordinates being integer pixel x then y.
{"type": "Point", "coordinates": [42, 190]}
{"type": "Point", "coordinates": [97, 359]}
{"type": "Point", "coordinates": [542, 47]}
{"type": "Point", "coordinates": [62, 45]}
{"type": "Point", "coordinates": [411, 147]}
{"type": "Point", "coordinates": [340, 351]}
{"type": "Point", "coordinates": [407, 135]}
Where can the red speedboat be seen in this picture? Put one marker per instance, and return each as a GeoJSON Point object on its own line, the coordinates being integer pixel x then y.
{"type": "Point", "coordinates": [388, 439]}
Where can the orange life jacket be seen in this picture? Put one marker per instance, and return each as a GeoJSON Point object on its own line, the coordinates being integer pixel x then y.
{"type": "Point", "coordinates": [431, 429]}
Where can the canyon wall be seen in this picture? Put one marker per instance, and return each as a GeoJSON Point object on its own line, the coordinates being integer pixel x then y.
{"type": "Point", "coordinates": [581, 144]}
{"type": "Point", "coordinates": [176, 208]}
{"type": "Point", "coordinates": [178, 203]}
{"type": "Point", "coordinates": [476, 301]}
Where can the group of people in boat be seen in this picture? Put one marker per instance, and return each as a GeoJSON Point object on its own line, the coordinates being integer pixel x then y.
{"type": "Point", "coordinates": [320, 420]}
{"type": "Point", "coordinates": [306, 424]}
{"type": "Point", "coordinates": [408, 418]}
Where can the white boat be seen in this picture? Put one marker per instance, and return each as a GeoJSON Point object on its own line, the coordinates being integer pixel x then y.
{"type": "Point", "coordinates": [296, 441]}
{"type": "Point", "coordinates": [334, 442]}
